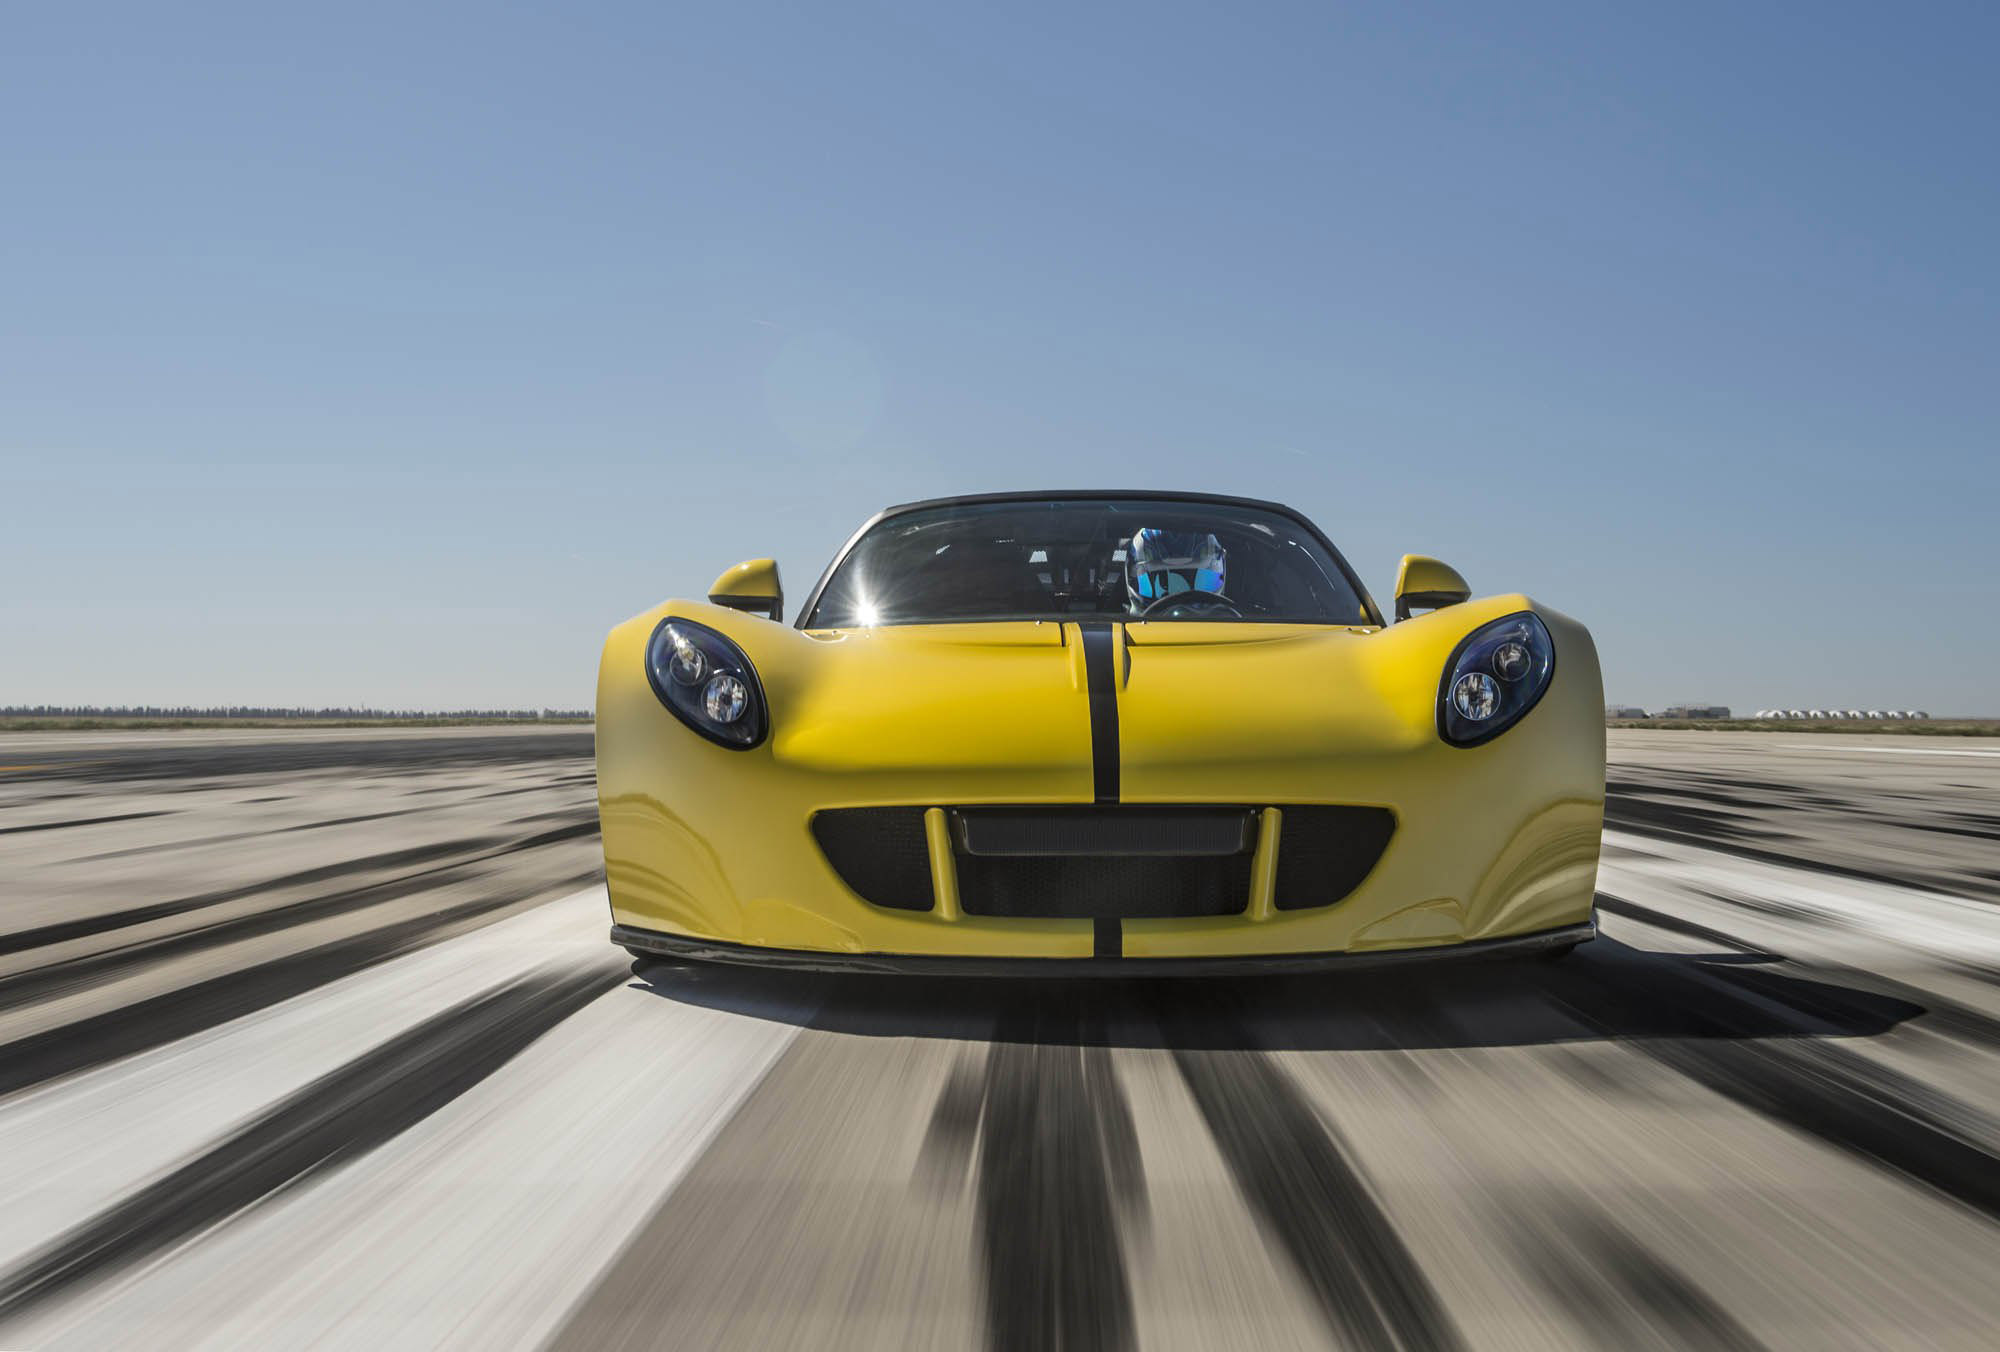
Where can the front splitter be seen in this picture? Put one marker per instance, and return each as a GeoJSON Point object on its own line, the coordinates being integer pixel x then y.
{"type": "Point", "coordinates": [927, 964]}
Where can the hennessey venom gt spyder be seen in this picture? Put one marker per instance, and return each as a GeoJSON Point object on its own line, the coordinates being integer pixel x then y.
{"type": "Point", "coordinates": [1112, 733]}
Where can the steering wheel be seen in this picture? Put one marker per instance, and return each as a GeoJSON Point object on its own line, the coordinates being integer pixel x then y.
{"type": "Point", "coordinates": [1175, 604]}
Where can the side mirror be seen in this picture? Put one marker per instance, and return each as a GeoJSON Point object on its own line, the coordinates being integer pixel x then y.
{"type": "Point", "coordinates": [751, 586]}
{"type": "Point", "coordinates": [1427, 584]}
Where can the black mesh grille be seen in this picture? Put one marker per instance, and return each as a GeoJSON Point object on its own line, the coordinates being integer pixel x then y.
{"type": "Point", "coordinates": [1093, 886]}
{"type": "Point", "coordinates": [1128, 830]}
{"type": "Point", "coordinates": [1325, 852]}
{"type": "Point", "coordinates": [879, 852]}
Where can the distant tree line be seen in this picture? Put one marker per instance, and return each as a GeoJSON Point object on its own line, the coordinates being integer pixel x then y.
{"type": "Point", "coordinates": [263, 712]}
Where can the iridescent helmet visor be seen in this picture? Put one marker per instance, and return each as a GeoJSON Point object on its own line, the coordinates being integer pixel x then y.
{"type": "Point", "coordinates": [1161, 563]}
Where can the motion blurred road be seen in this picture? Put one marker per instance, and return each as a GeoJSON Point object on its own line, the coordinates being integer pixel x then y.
{"type": "Point", "coordinates": [315, 1038]}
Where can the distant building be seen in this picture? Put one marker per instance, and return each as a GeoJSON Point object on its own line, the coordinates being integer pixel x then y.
{"type": "Point", "coordinates": [1625, 711]}
{"type": "Point", "coordinates": [1695, 711]}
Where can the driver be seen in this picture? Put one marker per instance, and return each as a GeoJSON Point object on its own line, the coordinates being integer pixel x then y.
{"type": "Point", "coordinates": [1164, 562]}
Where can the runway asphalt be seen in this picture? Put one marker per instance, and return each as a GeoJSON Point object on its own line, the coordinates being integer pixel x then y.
{"type": "Point", "coordinates": [313, 1038]}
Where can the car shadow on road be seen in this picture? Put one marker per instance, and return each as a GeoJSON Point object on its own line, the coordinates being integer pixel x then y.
{"type": "Point", "coordinates": [1605, 990]}
{"type": "Point", "coordinates": [1034, 1116]}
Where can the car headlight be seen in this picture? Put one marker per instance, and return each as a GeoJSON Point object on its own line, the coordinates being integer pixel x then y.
{"type": "Point", "coordinates": [1493, 678]}
{"type": "Point", "coordinates": [708, 683]}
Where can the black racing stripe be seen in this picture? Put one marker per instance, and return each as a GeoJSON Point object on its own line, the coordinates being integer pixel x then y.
{"type": "Point", "coordinates": [338, 1117]}
{"type": "Point", "coordinates": [1108, 938]}
{"type": "Point", "coordinates": [1102, 677]}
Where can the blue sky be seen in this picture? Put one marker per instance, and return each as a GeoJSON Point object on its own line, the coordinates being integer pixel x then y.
{"type": "Point", "coordinates": [390, 354]}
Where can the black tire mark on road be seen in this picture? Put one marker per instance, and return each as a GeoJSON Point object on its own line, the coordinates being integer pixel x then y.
{"type": "Point", "coordinates": [1673, 924]}
{"type": "Point", "coordinates": [1859, 1106]}
{"type": "Point", "coordinates": [576, 830]}
{"type": "Point", "coordinates": [1861, 1002]}
{"type": "Point", "coordinates": [1043, 1123]}
{"type": "Point", "coordinates": [1299, 1178]}
{"type": "Point", "coordinates": [946, 1153]}
{"type": "Point", "coordinates": [53, 978]}
{"type": "Point", "coordinates": [371, 755]}
{"type": "Point", "coordinates": [59, 978]}
{"type": "Point", "coordinates": [1620, 1293]}
{"type": "Point", "coordinates": [171, 1015]}
{"type": "Point", "coordinates": [1049, 1213]}
{"type": "Point", "coordinates": [43, 936]}
{"type": "Point", "coordinates": [338, 1117]}
{"type": "Point", "coordinates": [228, 837]}
{"type": "Point", "coordinates": [1629, 805]}
{"type": "Point", "coordinates": [82, 821]}
{"type": "Point", "coordinates": [1933, 1013]}
{"type": "Point", "coordinates": [537, 787]}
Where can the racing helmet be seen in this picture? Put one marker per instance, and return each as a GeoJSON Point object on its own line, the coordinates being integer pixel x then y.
{"type": "Point", "coordinates": [1162, 562]}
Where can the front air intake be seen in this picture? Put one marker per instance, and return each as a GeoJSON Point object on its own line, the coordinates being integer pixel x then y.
{"type": "Point", "coordinates": [1324, 853]}
{"type": "Point", "coordinates": [1128, 861]}
{"type": "Point", "coordinates": [879, 852]}
{"type": "Point", "coordinates": [1090, 887]}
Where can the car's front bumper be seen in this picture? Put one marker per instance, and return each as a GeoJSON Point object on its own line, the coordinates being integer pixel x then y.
{"type": "Point", "coordinates": [724, 847]}
{"type": "Point", "coordinates": [925, 964]}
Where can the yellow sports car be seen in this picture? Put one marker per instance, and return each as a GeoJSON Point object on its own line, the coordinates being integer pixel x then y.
{"type": "Point", "coordinates": [1112, 733]}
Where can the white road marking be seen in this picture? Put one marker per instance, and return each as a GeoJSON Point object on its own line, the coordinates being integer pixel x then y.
{"type": "Point", "coordinates": [69, 1148]}
{"type": "Point", "coordinates": [1936, 922]}
{"type": "Point", "coordinates": [1877, 750]}
{"type": "Point", "coordinates": [480, 1226]}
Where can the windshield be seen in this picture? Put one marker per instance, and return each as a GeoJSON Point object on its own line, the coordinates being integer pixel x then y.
{"type": "Point", "coordinates": [1157, 559]}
